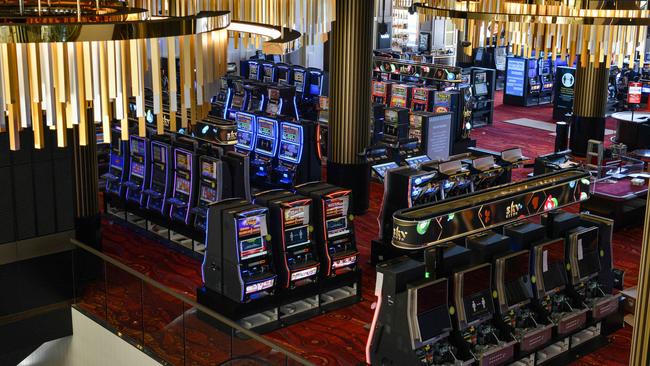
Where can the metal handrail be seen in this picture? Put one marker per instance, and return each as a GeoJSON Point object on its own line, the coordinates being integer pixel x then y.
{"type": "Point", "coordinates": [192, 303]}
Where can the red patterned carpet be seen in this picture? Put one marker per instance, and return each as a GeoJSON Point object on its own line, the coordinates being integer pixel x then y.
{"type": "Point", "coordinates": [336, 338]}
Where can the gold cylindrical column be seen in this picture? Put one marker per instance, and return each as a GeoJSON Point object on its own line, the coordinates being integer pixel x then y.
{"type": "Point", "coordinates": [639, 354]}
{"type": "Point", "coordinates": [350, 75]}
{"type": "Point", "coordinates": [589, 105]}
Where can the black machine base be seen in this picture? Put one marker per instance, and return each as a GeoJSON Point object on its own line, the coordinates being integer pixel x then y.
{"type": "Point", "coordinates": [285, 307]}
{"type": "Point", "coordinates": [461, 146]}
{"type": "Point", "coordinates": [355, 177]}
{"type": "Point", "coordinates": [584, 129]}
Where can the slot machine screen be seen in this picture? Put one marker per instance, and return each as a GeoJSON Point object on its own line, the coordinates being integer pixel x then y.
{"type": "Point", "coordinates": [244, 122]}
{"type": "Point", "coordinates": [182, 185]}
{"type": "Point", "coordinates": [264, 145]}
{"type": "Point", "coordinates": [516, 277]}
{"type": "Point", "coordinates": [289, 151]}
{"type": "Point", "coordinates": [182, 160]}
{"type": "Point", "coordinates": [250, 232]}
{"type": "Point", "coordinates": [399, 90]}
{"type": "Point", "coordinates": [552, 257]}
{"type": "Point", "coordinates": [432, 312]}
{"type": "Point", "coordinates": [158, 153]}
{"type": "Point", "coordinates": [274, 94]}
{"type": "Point", "coordinates": [237, 101]}
{"type": "Point", "coordinates": [336, 211]}
{"type": "Point", "coordinates": [477, 297]}
{"type": "Point", "coordinates": [265, 128]}
{"type": "Point", "coordinates": [252, 70]}
{"type": "Point", "coordinates": [137, 146]}
{"type": "Point", "coordinates": [208, 194]}
{"type": "Point", "coordinates": [441, 102]}
{"type": "Point", "coordinates": [480, 89]}
{"type": "Point", "coordinates": [137, 169]}
{"type": "Point", "coordinates": [423, 188]}
{"type": "Point", "coordinates": [283, 75]}
{"type": "Point", "coordinates": [381, 169]}
{"type": "Point", "coordinates": [296, 236]}
{"type": "Point", "coordinates": [415, 161]}
{"type": "Point", "coordinates": [272, 108]}
{"type": "Point", "coordinates": [209, 170]}
{"type": "Point", "coordinates": [532, 68]}
{"type": "Point", "coordinates": [117, 161]}
{"type": "Point", "coordinates": [299, 80]}
{"type": "Point", "coordinates": [314, 86]}
{"type": "Point", "coordinates": [390, 115]}
{"type": "Point", "coordinates": [291, 133]}
{"type": "Point", "coordinates": [268, 73]}
{"type": "Point", "coordinates": [244, 139]}
{"type": "Point", "coordinates": [420, 94]}
{"type": "Point", "coordinates": [378, 87]}
{"type": "Point", "coordinates": [587, 252]}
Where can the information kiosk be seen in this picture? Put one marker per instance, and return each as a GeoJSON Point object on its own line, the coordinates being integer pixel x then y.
{"type": "Point", "coordinates": [298, 160]}
{"type": "Point", "coordinates": [238, 262]}
{"type": "Point", "coordinates": [381, 91]}
{"type": "Point", "coordinates": [138, 175]}
{"type": "Point", "coordinates": [295, 250]}
{"type": "Point", "coordinates": [475, 330]}
{"type": "Point", "coordinates": [266, 148]}
{"type": "Point", "coordinates": [214, 185]}
{"type": "Point", "coordinates": [118, 169]}
{"type": "Point", "coordinates": [246, 132]}
{"type": "Point", "coordinates": [160, 183]}
{"type": "Point", "coordinates": [184, 184]}
{"type": "Point", "coordinates": [334, 230]}
{"type": "Point", "coordinates": [433, 132]}
{"type": "Point", "coordinates": [411, 325]}
{"type": "Point", "coordinates": [401, 95]}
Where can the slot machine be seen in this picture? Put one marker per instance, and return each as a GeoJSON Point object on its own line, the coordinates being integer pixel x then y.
{"type": "Point", "coordinates": [381, 91]}
{"type": "Point", "coordinates": [295, 250]}
{"type": "Point", "coordinates": [160, 183]}
{"type": "Point", "coordinates": [455, 176]}
{"type": "Point", "coordinates": [254, 97]}
{"type": "Point", "coordinates": [254, 70]}
{"type": "Point", "coordinates": [485, 172]}
{"type": "Point", "coordinates": [516, 313]}
{"type": "Point", "coordinates": [239, 168]}
{"type": "Point", "coordinates": [138, 170]}
{"type": "Point", "coordinates": [284, 74]}
{"type": "Point", "coordinates": [411, 324]}
{"type": "Point", "coordinates": [118, 170]}
{"type": "Point", "coordinates": [313, 89]}
{"type": "Point", "coordinates": [396, 125]}
{"type": "Point", "coordinates": [422, 99]}
{"type": "Point", "coordinates": [184, 184]}
{"type": "Point", "coordinates": [483, 84]}
{"type": "Point", "coordinates": [281, 101]}
{"type": "Point", "coordinates": [534, 86]}
{"type": "Point", "coordinates": [223, 99]}
{"type": "Point", "coordinates": [268, 72]}
{"type": "Point", "coordinates": [238, 261]}
{"type": "Point", "coordinates": [266, 148]}
{"type": "Point", "coordinates": [334, 229]}
{"type": "Point", "coordinates": [298, 161]}
{"type": "Point", "coordinates": [549, 271]}
{"type": "Point", "coordinates": [477, 335]}
{"type": "Point", "coordinates": [401, 96]}
{"type": "Point", "coordinates": [299, 81]}
{"type": "Point", "coordinates": [213, 187]}
{"type": "Point", "coordinates": [237, 101]}
{"type": "Point", "coordinates": [546, 80]}
{"type": "Point", "coordinates": [246, 132]}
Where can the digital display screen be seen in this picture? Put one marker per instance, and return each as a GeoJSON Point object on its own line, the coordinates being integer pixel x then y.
{"type": "Point", "coordinates": [274, 94]}
{"type": "Point", "coordinates": [158, 153]}
{"type": "Point", "coordinates": [476, 280]}
{"type": "Point", "coordinates": [244, 122]}
{"type": "Point", "coordinates": [244, 139]}
{"type": "Point", "coordinates": [299, 80]}
{"type": "Point", "coordinates": [337, 226]}
{"type": "Point", "coordinates": [477, 299]}
{"type": "Point", "coordinates": [268, 73]}
{"type": "Point", "coordinates": [420, 94]}
{"type": "Point", "coordinates": [283, 74]}
{"type": "Point", "coordinates": [552, 258]}
{"type": "Point", "coordinates": [390, 115]}
{"type": "Point", "coordinates": [291, 133]}
{"type": "Point", "coordinates": [516, 278]}
{"type": "Point", "coordinates": [272, 108]}
{"type": "Point", "coordinates": [515, 73]}
{"type": "Point", "coordinates": [314, 89]}
{"type": "Point", "coordinates": [252, 70]}
{"type": "Point", "coordinates": [587, 252]}
{"type": "Point", "coordinates": [209, 169]}
{"type": "Point", "coordinates": [290, 152]}
{"type": "Point", "coordinates": [424, 188]}
{"type": "Point", "coordinates": [480, 89]}
{"type": "Point", "coordinates": [117, 161]}
{"type": "Point", "coordinates": [378, 88]}
{"type": "Point", "coordinates": [415, 161]}
{"type": "Point", "coordinates": [182, 160]}
{"type": "Point", "coordinates": [137, 146]}
{"type": "Point", "coordinates": [137, 169]}
{"type": "Point", "coordinates": [399, 91]}
{"type": "Point", "coordinates": [266, 127]}
{"type": "Point", "coordinates": [182, 185]}
{"type": "Point", "coordinates": [264, 145]}
{"type": "Point", "coordinates": [296, 236]}
{"type": "Point", "coordinates": [208, 194]}
{"type": "Point", "coordinates": [237, 101]}
{"type": "Point", "coordinates": [338, 206]}
{"type": "Point", "coordinates": [250, 232]}
{"type": "Point", "coordinates": [381, 169]}
{"type": "Point", "coordinates": [432, 312]}
{"type": "Point", "coordinates": [532, 68]}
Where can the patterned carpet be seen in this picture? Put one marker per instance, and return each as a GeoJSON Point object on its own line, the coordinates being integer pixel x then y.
{"type": "Point", "coordinates": [336, 338]}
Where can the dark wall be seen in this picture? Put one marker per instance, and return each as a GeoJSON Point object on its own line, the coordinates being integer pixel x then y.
{"type": "Point", "coordinates": [36, 197]}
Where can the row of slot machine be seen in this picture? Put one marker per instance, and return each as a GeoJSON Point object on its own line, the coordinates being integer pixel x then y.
{"type": "Point", "coordinates": [282, 242]}
{"type": "Point", "coordinates": [529, 294]}
{"type": "Point", "coordinates": [172, 179]}
{"type": "Point", "coordinates": [422, 181]}
{"type": "Point", "coordinates": [529, 81]}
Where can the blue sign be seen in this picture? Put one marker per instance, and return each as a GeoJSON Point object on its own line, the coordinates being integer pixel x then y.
{"type": "Point", "coordinates": [515, 77]}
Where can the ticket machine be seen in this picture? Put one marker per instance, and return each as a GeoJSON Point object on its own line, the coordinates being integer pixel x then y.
{"type": "Point", "coordinates": [281, 101]}
{"type": "Point", "coordinates": [138, 180]}
{"type": "Point", "coordinates": [475, 329]}
{"type": "Point", "coordinates": [401, 95]}
{"type": "Point", "coordinates": [381, 91]}
{"type": "Point", "coordinates": [237, 102]}
{"type": "Point", "coordinates": [184, 186]}
{"type": "Point", "coordinates": [334, 229]}
{"type": "Point", "coordinates": [160, 183]}
{"type": "Point", "coordinates": [214, 185]}
{"type": "Point", "coordinates": [118, 168]}
{"type": "Point", "coordinates": [422, 99]}
{"type": "Point", "coordinates": [266, 148]}
{"type": "Point", "coordinates": [298, 160]}
{"type": "Point", "coordinates": [246, 132]}
{"type": "Point", "coordinates": [411, 325]}
{"type": "Point", "coordinates": [295, 249]}
{"type": "Point", "coordinates": [238, 261]}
